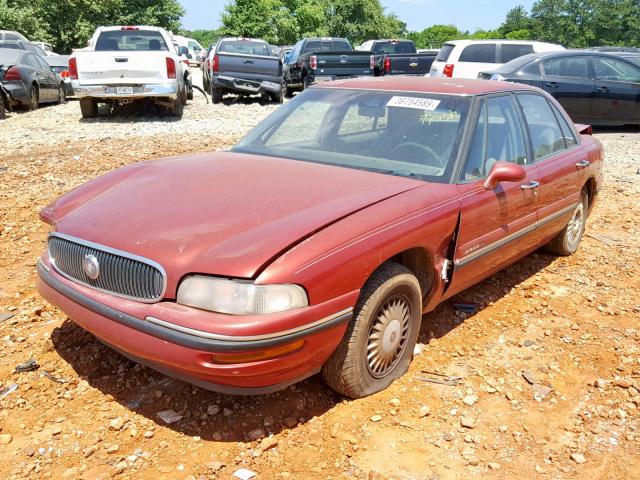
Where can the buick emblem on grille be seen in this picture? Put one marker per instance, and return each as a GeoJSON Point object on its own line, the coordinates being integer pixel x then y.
{"type": "Point", "coordinates": [91, 266]}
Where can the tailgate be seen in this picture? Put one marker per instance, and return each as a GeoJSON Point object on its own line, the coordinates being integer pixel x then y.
{"type": "Point", "coordinates": [410, 64]}
{"type": "Point", "coordinates": [344, 63]}
{"type": "Point", "coordinates": [250, 67]}
{"type": "Point", "coordinates": [122, 67]}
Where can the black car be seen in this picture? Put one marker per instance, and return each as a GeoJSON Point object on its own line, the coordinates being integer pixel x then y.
{"type": "Point", "coordinates": [29, 79]}
{"type": "Point", "coordinates": [398, 57]}
{"type": "Point", "coordinates": [593, 87]}
{"type": "Point", "coordinates": [60, 65]}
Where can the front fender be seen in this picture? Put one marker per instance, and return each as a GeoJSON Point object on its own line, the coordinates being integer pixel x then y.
{"type": "Point", "coordinates": [340, 258]}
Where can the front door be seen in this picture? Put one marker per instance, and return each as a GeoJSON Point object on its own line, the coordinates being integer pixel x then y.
{"type": "Point", "coordinates": [569, 80]}
{"type": "Point", "coordinates": [493, 223]}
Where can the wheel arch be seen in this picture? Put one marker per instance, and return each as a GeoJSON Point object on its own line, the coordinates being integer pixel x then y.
{"type": "Point", "coordinates": [590, 187]}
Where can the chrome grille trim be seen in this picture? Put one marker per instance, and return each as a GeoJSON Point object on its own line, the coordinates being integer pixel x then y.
{"type": "Point", "coordinates": [122, 274]}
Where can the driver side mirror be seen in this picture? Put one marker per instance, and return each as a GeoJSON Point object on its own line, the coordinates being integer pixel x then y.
{"type": "Point", "coordinates": [504, 172]}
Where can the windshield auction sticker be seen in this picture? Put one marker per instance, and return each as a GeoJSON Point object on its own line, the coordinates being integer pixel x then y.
{"type": "Point", "coordinates": [413, 102]}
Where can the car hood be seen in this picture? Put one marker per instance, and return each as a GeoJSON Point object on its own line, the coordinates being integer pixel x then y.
{"type": "Point", "coordinates": [224, 213]}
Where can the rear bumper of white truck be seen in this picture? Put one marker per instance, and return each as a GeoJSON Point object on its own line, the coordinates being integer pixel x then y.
{"type": "Point", "coordinates": [115, 92]}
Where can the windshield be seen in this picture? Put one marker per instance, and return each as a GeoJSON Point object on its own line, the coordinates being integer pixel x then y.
{"type": "Point", "coordinates": [397, 133]}
{"type": "Point", "coordinates": [130, 40]}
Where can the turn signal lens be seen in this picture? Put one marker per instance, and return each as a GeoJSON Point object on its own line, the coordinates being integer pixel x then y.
{"type": "Point", "coordinates": [257, 356]}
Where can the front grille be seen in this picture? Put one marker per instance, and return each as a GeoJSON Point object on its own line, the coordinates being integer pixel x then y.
{"type": "Point", "coordinates": [120, 273]}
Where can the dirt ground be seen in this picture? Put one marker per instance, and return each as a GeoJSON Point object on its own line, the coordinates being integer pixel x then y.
{"type": "Point", "coordinates": [549, 364]}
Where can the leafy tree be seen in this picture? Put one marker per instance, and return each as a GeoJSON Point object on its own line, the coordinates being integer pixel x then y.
{"type": "Point", "coordinates": [517, 19]}
{"type": "Point", "coordinates": [436, 35]}
{"type": "Point", "coordinates": [22, 20]}
{"type": "Point", "coordinates": [205, 37]}
{"type": "Point", "coordinates": [70, 23]}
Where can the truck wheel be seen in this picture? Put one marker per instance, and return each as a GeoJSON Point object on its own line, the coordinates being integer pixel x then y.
{"type": "Point", "coordinates": [88, 107]}
{"type": "Point", "coordinates": [378, 345]}
{"type": "Point", "coordinates": [278, 97]}
{"type": "Point", "coordinates": [178, 107]}
{"type": "Point", "coordinates": [190, 93]}
{"type": "Point", "coordinates": [216, 95]}
{"type": "Point", "coordinates": [306, 83]}
{"type": "Point", "coordinates": [567, 241]}
{"type": "Point", "coordinates": [288, 92]}
{"type": "Point", "coordinates": [3, 112]}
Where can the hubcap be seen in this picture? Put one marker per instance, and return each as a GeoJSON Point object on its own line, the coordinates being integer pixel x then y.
{"type": "Point", "coordinates": [388, 336]}
{"type": "Point", "coordinates": [575, 224]}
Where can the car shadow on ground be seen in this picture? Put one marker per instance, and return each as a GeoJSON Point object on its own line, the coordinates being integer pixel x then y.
{"type": "Point", "coordinates": [214, 416]}
{"type": "Point", "coordinates": [617, 129]}
{"type": "Point", "coordinates": [136, 111]}
{"type": "Point", "coordinates": [229, 100]}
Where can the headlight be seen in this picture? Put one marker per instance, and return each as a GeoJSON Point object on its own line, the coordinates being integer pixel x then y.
{"type": "Point", "coordinates": [498, 77]}
{"type": "Point", "coordinates": [236, 297]}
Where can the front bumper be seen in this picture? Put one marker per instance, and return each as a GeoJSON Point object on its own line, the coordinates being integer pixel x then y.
{"type": "Point", "coordinates": [240, 85]}
{"type": "Point", "coordinates": [163, 90]}
{"type": "Point", "coordinates": [185, 352]}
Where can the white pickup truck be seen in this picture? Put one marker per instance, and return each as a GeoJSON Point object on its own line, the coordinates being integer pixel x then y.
{"type": "Point", "coordinates": [124, 64]}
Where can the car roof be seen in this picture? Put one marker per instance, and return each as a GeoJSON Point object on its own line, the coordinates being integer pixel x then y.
{"type": "Point", "coordinates": [438, 85]}
{"type": "Point", "coordinates": [501, 41]}
{"type": "Point", "coordinates": [11, 55]}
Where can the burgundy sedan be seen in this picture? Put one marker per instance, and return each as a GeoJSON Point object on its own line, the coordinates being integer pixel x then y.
{"type": "Point", "coordinates": [319, 241]}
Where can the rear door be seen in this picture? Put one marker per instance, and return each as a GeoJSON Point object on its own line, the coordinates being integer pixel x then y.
{"type": "Point", "coordinates": [617, 84]}
{"type": "Point", "coordinates": [494, 224]}
{"type": "Point", "coordinates": [42, 76]}
{"type": "Point", "coordinates": [476, 58]}
{"type": "Point", "coordinates": [569, 80]}
{"type": "Point", "coordinates": [560, 160]}
{"type": "Point", "coordinates": [126, 56]}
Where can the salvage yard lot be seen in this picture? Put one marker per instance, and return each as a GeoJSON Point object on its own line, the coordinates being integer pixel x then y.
{"type": "Point", "coordinates": [569, 325]}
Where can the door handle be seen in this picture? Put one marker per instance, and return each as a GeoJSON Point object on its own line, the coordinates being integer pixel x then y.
{"type": "Point", "coordinates": [551, 84]}
{"type": "Point", "coordinates": [583, 163]}
{"type": "Point", "coordinates": [530, 186]}
{"type": "Point", "coordinates": [248, 61]}
{"type": "Point", "coordinates": [602, 89]}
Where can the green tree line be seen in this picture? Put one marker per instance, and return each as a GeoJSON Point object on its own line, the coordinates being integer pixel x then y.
{"type": "Point", "coordinates": [68, 24]}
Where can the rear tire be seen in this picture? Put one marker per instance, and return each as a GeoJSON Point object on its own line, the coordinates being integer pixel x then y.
{"type": "Point", "coordinates": [378, 345]}
{"type": "Point", "coordinates": [306, 83]}
{"type": "Point", "coordinates": [62, 95]}
{"type": "Point", "coordinates": [89, 107]}
{"type": "Point", "coordinates": [568, 240]}
{"type": "Point", "coordinates": [3, 111]}
{"type": "Point", "coordinates": [190, 93]}
{"type": "Point", "coordinates": [178, 106]}
{"type": "Point", "coordinates": [288, 92]}
{"type": "Point", "coordinates": [216, 95]}
{"type": "Point", "coordinates": [33, 98]}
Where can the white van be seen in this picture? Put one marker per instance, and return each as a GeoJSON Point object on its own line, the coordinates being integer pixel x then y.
{"type": "Point", "coordinates": [467, 58]}
{"type": "Point", "coordinates": [195, 49]}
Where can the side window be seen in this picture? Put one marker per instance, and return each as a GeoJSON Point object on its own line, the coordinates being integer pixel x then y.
{"type": "Point", "coordinates": [546, 136]}
{"type": "Point", "coordinates": [512, 51]}
{"type": "Point", "coordinates": [567, 67]}
{"type": "Point", "coordinates": [43, 65]}
{"type": "Point", "coordinates": [569, 137]}
{"type": "Point", "coordinates": [615, 70]}
{"type": "Point", "coordinates": [498, 137]}
{"type": "Point", "coordinates": [481, 53]}
{"type": "Point", "coordinates": [445, 51]}
{"type": "Point", "coordinates": [31, 61]}
{"type": "Point", "coordinates": [358, 121]}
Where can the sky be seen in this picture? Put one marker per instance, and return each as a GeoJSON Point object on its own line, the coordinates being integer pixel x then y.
{"type": "Point", "coordinates": [418, 14]}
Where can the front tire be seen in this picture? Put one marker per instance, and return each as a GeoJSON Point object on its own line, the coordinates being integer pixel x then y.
{"type": "Point", "coordinates": [568, 240]}
{"type": "Point", "coordinates": [89, 107]}
{"type": "Point", "coordinates": [378, 345]}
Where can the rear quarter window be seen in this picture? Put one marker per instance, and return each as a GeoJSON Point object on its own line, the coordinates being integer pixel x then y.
{"type": "Point", "coordinates": [445, 51]}
{"type": "Point", "coordinates": [481, 53]}
{"type": "Point", "coordinates": [511, 52]}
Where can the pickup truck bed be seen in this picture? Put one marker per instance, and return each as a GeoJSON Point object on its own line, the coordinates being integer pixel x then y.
{"type": "Point", "coordinates": [398, 57]}
{"type": "Point", "coordinates": [246, 67]}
